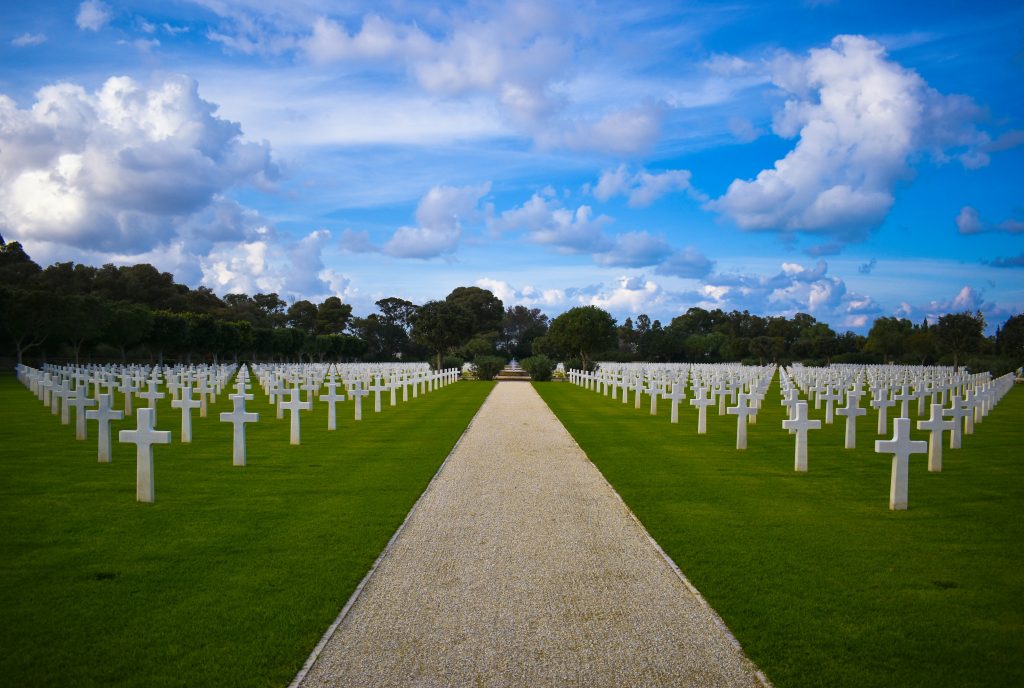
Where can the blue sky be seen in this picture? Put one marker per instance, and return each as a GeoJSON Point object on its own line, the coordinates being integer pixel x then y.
{"type": "Point", "coordinates": [846, 159]}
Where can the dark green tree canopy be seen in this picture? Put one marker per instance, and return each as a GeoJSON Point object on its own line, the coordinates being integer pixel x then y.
{"type": "Point", "coordinates": [485, 309]}
{"type": "Point", "coordinates": [583, 330]}
{"type": "Point", "coordinates": [442, 326]}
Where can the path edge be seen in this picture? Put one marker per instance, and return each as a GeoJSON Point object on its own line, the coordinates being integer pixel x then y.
{"type": "Point", "coordinates": [329, 633]}
{"type": "Point", "coordinates": [760, 675]}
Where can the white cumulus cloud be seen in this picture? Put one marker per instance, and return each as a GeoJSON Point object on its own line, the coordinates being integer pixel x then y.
{"type": "Point", "coordinates": [93, 15]}
{"type": "Point", "coordinates": [642, 187]}
{"type": "Point", "coordinates": [439, 218]}
{"type": "Point", "coordinates": [859, 118]}
{"type": "Point", "coordinates": [122, 168]}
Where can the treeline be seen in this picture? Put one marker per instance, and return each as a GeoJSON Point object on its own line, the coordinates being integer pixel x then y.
{"type": "Point", "coordinates": [75, 312]}
{"type": "Point", "coordinates": [713, 336]}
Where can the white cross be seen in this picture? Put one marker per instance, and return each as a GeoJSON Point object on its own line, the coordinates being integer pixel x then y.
{"type": "Point", "coordinates": [901, 447]}
{"type": "Point", "coordinates": [677, 394]}
{"type": "Point", "coordinates": [332, 398]}
{"type": "Point", "coordinates": [65, 399]}
{"type": "Point", "coordinates": [882, 402]}
{"type": "Point", "coordinates": [129, 389]}
{"type": "Point", "coordinates": [935, 427]}
{"type": "Point", "coordinates": [151, 395]}
{"type": "Point", "coordinates": [203, 387]}
{"type": "Point", "coordinates": [800, 425]}
{"type": "Point", "coordinates": [144, 437]}
{"type": "Point", "coordinates": [904, 396]}
{"type": "Point", "coordinates": [851, 411]}
{"type": "Point", "coordinates": [790, 399]}
{"type": "Point", "coordinates": [957, 412]}
{"type": "Point", "coordinates": [829, 397]}
{"type": "Point", "coordinates": [80, 400]}
{"type": "Point", "coordinates": [377, 387]}
{"type": "Point", "coordinates": [654, 390]}
{"type": "Point", "coordinates": [638, 388]}
{"type": "Point", "coordinates": [239, 417]}
{"type": "Point", "coordinates": [186, 404]}
{"type": "Point", "coordinates": [742, 411]}
{"type": "Point", "coordinates": [294, 405]}
{"type": "Point", "coordinates": [702, 402]}
{"type": "Point", "coordinates": [357, 392]}
{"type": "Point", "coordinates": [103, 415]}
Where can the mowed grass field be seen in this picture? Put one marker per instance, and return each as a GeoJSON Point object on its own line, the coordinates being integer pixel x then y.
{"type": "Point", "coordinates": [233, 575]}
{"type": "Point", "coordinates": [820, 582]}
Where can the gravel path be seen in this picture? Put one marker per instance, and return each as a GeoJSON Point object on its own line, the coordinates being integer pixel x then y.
{"type": "Point", "coordinates": [520, 566]}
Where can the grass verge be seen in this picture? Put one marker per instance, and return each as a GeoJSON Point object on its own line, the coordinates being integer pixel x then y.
{"type": "Point", "coordinates": [818, 580]}
{"type": "Point", "coordinates": [232, 576]}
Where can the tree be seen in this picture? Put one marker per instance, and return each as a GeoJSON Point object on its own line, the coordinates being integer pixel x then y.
{"type": "Point", "coordinates": [582, 331]}
{"type": "Point", "coordinates": [168, 332]}
{"type": "Point", "coordinates": [82, 321]}
{"type": "Point", "coordinates": [485, 309]}
{"type": "Point", "coordinates": [302, 316]}
{"type": "Point", "coordinates": [271, 308]}
{"type": "Point", "coordinates": [1010, 338]}
{"type": "Point", "coordinates": [16, 268]}
{"type": "Point", "coordinates": [960, 333]}
{"type": "Point", "coordinates": [29, 317]}
{"type": "Point", "coordinates": [442, 326]}
{"type": "Point", "coordinates": [395, 311]}
{"type": "Point", "coordinates": [332, 316]}
{"type": "Point", "coordinates": [887, 337]}
{"type": "Point", "coordinates": [129, 324]}
{"type": "Point", "coordinates": [519, 327]}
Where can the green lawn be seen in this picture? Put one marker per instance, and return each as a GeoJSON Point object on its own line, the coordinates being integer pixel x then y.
{"type": "Point", "coordinates": [818, 580]}
{"type": "Point", "coordinates": [233, 575]}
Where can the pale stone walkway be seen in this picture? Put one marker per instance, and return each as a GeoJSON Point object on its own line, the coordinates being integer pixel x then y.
{"type": "Point", "coordinates": [520, 566]}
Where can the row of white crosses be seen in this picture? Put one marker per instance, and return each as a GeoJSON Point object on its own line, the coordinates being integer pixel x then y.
{"type": "Point", "coordinates": [360, 380]}
{"type": "Point", "coordinates": [830, 384]}
{"type": "Point", "coordinates": [53, 384]}
{"type": "Point", "coordinates": [721, 384]}
{"type": "Point", "coordinates": [837, 389]}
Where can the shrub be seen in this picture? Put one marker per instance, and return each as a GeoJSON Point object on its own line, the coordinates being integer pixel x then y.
{"type": "Point", "coordinates": [577, 364]}
{"type": "Point", "coordinates": [452, 362]}
{"type": "Point", "coordinates": [488, 366]}
{"type": "Point", "coordinates": [540, 367]}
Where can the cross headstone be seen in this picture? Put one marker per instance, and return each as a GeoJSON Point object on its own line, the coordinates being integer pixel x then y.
{"type": "Point", "coordinates": [702, 401]}
{"type": "Point", "coordinates": [957, 412]}
{"type": "Point", "coordinates": [293, 406]}
{"type": "Point", "coordinates": [935, 427]}
{"type": "Point", "coordinates": [144, 437]}
{"type": "Point", "coordinates": [800, 425]}
{"type": "Point", "coordinates": [377, 387]}
{"type": "Point", "coordinates": [332, 398]}
{"type": "Point", "coordinates": [80, 401]}
{"type": "Point", "coordinates": [882, 402]}
{"type": "Point", "coordinates": [901, 447]}
{"type": "Point", "coordinates": [851, 411]}
{"type": "Point", "coordinates": [677, 394]}
{"type": "Point", "coordinates": [357, 392]}
{"type": "Point", "coordinates": [830, 396]}
{"type": "Point", "coordinates": [186, 403]}
{"type": "Point", "coordinates": [904, 396]}
{"type": "Point", "coordinates": [103, 415]}
{"type": "Point", "coordinates": [742, 411]}
{"type": "Point", "coordinates": [239, 417]}
{"type": "Point", "coordinates": [152, 395]}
